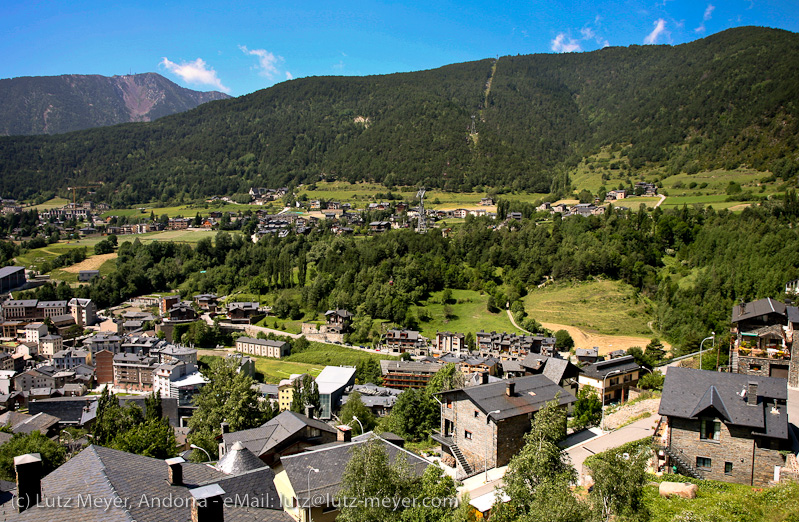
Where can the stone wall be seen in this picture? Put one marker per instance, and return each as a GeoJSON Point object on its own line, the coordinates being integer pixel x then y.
{"type": "Point", "coordinates": [752, 461]}
{"type": "Point", "coordinates": [320, 334]}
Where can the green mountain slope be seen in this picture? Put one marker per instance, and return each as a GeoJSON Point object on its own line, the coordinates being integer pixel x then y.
{"type": "Point", "coordinates": [57, 104]}
{"type": "Point", "coordinates": [727, 100]}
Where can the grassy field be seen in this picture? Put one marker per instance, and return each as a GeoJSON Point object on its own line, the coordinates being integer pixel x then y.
{"type": "Point", "coordinates": [326, 354]}
{"type": "Point", "coordinates": [179, 211]}
{"type": "Point", "coordinates": [724, 502]}
{"type": "Point", "coordinates": [606, 307]}
{"type": "Point", "coordinates": [51, 203]}
{"type": "Point", "coordinates": [469, 314]}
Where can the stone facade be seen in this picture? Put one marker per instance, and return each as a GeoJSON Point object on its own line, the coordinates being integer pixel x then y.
{"type": "Point", "coordinates": [752, 458]}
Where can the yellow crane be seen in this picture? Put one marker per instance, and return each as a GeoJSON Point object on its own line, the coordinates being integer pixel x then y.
{"type": "Point", "coordinates": [87, 186]}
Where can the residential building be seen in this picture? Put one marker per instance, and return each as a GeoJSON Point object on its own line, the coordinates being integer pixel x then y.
{"type": "Point", "coordinates": [318, 490]}
{"type": "Point", "coordinates": [560, 371]}
{"type": "Point", "coordinates": [68, 359]}
{"type": "Point", "coordinates": [166, 303]}
{"type": "Point", "coordinates": [182, 311]}
{"type": "Point", "coordinates": [450, 342]}
{"type": "Point", "coordinates": [99, 342]}
{"type": "Point", "coordinates": [134, 372]}
{"type": "Point", "coordinates": [765, 340]}
{"type": "Point", "coordinates": [11, 277]}
{"type": "Point", "coordinates": [485, 425]}
{"type": "Point", "coordinates": [724, 426]}
{"type": "Point", "coordinates": [49, 345]}
{"type": "Point", "coordinates": [408, 374]}
{"type": "Point", "coordinates": [379, 399]}
{"type": "Point", "coordinates": [612, 378]}
{"type": "Point", "coordinates": [206, 301]}
{"type": "Point", "coordinates": [331, 383]}
{"type": "Point", "coordinates": [85, 276]}
{"type": "Point", "coordinates": [285, 391]}
{"type": "Point", "coordinates": [242, 312]}
{"type": "Point", "coordinates": [166, 373]}
{"type": "Point", "coordinates": [338, 321]}
{"type": "Point", "coordinates": [285, 434]}
{"type": "Point", "coordinates": [401, 341]}
{"type": "Point", "coordinates": [116, 483]}
{"type": "Point", "coordinates": [84, 311]}
{"type": "Point", "coordinates": [104, 366]}
{"type": "Point", "coordinates": [34, 332]}
{"type": "Point", "coordinates": [172, 353]}
{"type": "Point", "coordinates": [263, 347]}
{"type": "Point", "coordinates": [506, 346]}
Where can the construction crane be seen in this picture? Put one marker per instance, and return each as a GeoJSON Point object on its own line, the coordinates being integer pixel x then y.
{"type": "Point", "coordinates": [422, 227]}
{"type": "Point", "coordinates": [90, 185]}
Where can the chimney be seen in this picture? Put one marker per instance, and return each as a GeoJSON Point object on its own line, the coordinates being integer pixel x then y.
{"type": "Point", "coordinates": [175, 476]}
{"type": "Point", "coordinates": [225, 427]}
{"type": "Point", "coordinates": [510, 389]}
{"type": "Point", "coordinates": [343, 433]}
{"type": "Point", "coordinates": [751, 393]}
{"type": "Point", "coordinates": [309, 411]}
{"type": "Point", "coordinates": [484, 378]}
{"type": "Point", "coordinates": [29, 480]}
{"type": "Point", "coordinates": [207, 504]}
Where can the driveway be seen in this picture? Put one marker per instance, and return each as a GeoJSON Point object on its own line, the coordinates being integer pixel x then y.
{"type": "Point", "coordinates": [635, 431]}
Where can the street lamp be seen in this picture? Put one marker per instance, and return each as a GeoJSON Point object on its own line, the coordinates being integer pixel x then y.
{"type": "Point", "coordinates": [194, 446]}
{"type": "Point", "coordinates": [311, 469]}
{"type": "Point", "coordinates": [359, 423]}
{"type": "Point", "coordinates": [488, 421]}
{"type": "Point", "coordinates": [602, 421]}
{"type": "Point", "coordinates": [713, 336]}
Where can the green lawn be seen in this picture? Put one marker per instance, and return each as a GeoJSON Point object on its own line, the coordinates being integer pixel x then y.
{"type": "Point", "coordinates": [469, 314]}
{"type": "Point", "coordinates": [333, 355]}
{"type": "Point", "coordinates": [606, 307]}
{"type": "Point", "coordinates": [50, 203]}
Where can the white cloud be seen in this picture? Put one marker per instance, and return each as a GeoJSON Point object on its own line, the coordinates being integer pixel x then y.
{"type": "Point", "coordinates": [587, 33]}
{"type": "Point", "coordinates": [197, 72]}
{"type": "Point", "coordinates": [289, 76]}
{"type": "Point", "coordinates": [268, 63]}
{"type": "Point", "coordinates": [339, 66]}
{"type": "Point", "coordinates": [708, 14]}
{"type": "Point", "coordinates": [660, 28]}
{"type": "Point", "coordinates": [565, 44]}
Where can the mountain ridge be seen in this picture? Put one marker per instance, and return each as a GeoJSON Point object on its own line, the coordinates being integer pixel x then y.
{"type": "Point", "coordinates": [31, 105]}
{"type": "Point", "coordinates": [727, 100]}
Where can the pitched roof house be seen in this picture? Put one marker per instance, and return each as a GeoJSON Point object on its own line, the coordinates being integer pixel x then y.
{"type": "Point", "coordinates": [724, 426]}
{"type": "Point", "coordinates": [495, 416]}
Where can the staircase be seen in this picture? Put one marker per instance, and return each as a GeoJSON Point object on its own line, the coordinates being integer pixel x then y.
{"type": "Point", "coordinates": [734, 361]}
{"type": "Point", "coordinates": [683, 467]}
{"type": "Point", "coordinates": [461, 459]}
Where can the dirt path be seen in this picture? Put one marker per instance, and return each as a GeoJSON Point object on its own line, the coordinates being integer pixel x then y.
{"type": "Point", "coordinates": [605, 343]}
{"type": "Point", "coordinates": [92, 263]}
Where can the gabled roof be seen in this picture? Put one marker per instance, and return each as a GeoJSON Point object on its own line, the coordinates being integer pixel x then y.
{"type": "Point", "coordinates": [331, 462]}
{"type": "Point", "coordinates": [530, 394]}
{"type": "Point", "coordinates": [272, 434]}
{"type": "Point", "coordinates": [124, 479]}
{"type": "Point", "coordinates": [687, 393]}
{"type": "Point", "coordinates": [601, 369]}
{"type": "Point", "coordinates": [711, 399]}
{"type": "Point", "coordinates": [757, 308]}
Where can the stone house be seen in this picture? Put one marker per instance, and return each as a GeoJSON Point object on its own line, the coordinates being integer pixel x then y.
{"type": "Point", "coordinates": [613, 378]}
{"type": "Point", "coordinates": [263, 347]}
{"type": "Point", "coordinates": [484, 425]}
{"type": "Point", "coordinates": [724, 426]}
{"type": "Point", "coordinates": [764, 340]}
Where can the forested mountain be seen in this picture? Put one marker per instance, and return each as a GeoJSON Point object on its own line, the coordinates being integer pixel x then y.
{"type": "Point", "coordinates": [723, 101]}
{"type": "Point", "coordinates": [56, 104]}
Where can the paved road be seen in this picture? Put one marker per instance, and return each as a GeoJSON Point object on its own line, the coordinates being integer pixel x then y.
{"type": "Point", "coordinates": [635, 431]}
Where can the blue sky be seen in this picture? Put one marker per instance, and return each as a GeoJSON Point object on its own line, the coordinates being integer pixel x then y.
{"type": "Point", "coordinates": [244, 46]}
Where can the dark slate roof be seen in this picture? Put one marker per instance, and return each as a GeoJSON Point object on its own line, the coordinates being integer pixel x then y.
{"type": "Point", "coordinates": [511, 366]}
{"type": "Point", "coordinates": [756, 309]}
{"type": "Point", "coordinates": [70, 409]}
{"type": "Point", "coordinates": [273, 433]}
{"type": "Point", "coordinates": [793, 314]}
{"type": "Point", "coordinates": [239, 460]}
{"type": "Point", "coordinates": [530, 394]}
{"type": "Point", "coordinates": [331, 463]}
{"type": "Point", "coordinates": [553, 368]}
{"type": "Point", "coordinates": [601, 369]}
{"type": "Point", "coordinates": [687, 393]}
{"type": "Point", "coordinates": [109, 474]}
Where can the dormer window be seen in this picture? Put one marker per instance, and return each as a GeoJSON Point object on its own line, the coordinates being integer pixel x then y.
{"type": "Point", "coordinates": [709, 429]}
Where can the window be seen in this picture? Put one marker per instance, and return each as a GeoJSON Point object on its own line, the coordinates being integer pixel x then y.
{"type": "Point", "coordinates": [467, 434]}
{"type": "Point", "coordinates": [703, 463]}
{"type": "Point", "coordinates": [728, 468]}
{"type": "Point", "coordinates": [476, 414]}
{"type": "Point", "coordinates": [709, 429]}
